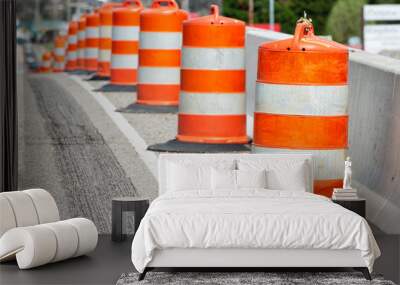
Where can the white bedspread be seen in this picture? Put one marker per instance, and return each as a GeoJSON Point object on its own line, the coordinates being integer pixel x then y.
{"type": "Point", "coordinates": [250, 219]}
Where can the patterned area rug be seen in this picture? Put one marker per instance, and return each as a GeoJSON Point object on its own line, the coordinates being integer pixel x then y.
{"type": "Point", "coordinates": [243, 278]}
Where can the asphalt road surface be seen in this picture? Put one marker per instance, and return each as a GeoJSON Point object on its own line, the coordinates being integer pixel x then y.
{"type": "Point", "coordinates": [65, 154]}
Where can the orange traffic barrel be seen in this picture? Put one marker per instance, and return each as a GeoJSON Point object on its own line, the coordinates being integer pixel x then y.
{"type": "Point", "coordinates": [212, 100]}
{"type": "Point", "coordinates": [92, 41]}
{"type": "Point", "coordinates": [81, 42]}
{"type": "Point", "coordinates": [125, 42]}
{"type": "Point", "coordinates": [105, 35]}
{"type": "Point", "coordinates": [72, 46]}
{"type": "Point", "coordinates": [159, 53]}
{"type": "Point", "coordinates": [59, 53]}
{"type": "Point", "coordinates": [301, 102]}
{"type": "Point", "coordinates": [46, 62]}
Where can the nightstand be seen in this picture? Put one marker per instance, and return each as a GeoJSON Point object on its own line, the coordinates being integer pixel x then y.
{"type": "Point", "coordinates": [121, 207]}
{"type": "Point", "coordinates": [358, 206]}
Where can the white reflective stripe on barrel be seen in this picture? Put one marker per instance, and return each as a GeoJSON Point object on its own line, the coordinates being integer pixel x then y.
{"type": "Point", "coordinates": [301, 99]}
{"type": "Point", "coordinates": [92, 33]}
{"type": "Point", "coordinates": [59, 51]}
{"type": "Point", "coordinates": [46, 63]}
{"type": "Point", "coordinates": [213, 58]}
{"type": "Point", "coordinates": [160, 40]}
{"type": "Point", "coordinates": [212, 103]}
{"type": "Point", "coordinates": [81, 35]}
{"type": "Point", "coordinates": [105, 32]}
{"type": "Point", "coordinates": [72, 40]}
{"type": "Point", "coordinates": [59, 65]}
{"type": "Point", "coordinates": [72, 55]}
{"type": "Point", "coordinates": [104, 55]}
{"type": "Point", "coordinates": [81, 52]}
{"type": "Point", "coordinates": [158, 75]}
{"type": "Point", "coordinates": [91, 52]}
{"type": "Point", "coordinates": [124, 61]}
{"type": "Point", "coordinates": [125, 33]}
{"type": "Point", "coordinates": [328, 163]}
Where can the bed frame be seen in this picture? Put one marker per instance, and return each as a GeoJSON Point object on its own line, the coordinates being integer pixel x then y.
{"type": "Point", "coordinates": [242, 259]}
{"type": "Point", "coordinates": [246, 259]}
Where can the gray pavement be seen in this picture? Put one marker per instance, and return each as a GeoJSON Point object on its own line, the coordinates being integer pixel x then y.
{"type": "Point", "coordinates": [36, 153]}
{"type": "Point", "coordinates": [88, 171]}
{"type": "Point", "coordinates": [70, 147]}
{"type": "Point", "coordinates": [144, 182]}
{"type": "Point", "coordinates": [154, 128]}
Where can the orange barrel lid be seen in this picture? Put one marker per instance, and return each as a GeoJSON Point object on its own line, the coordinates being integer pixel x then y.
{"type": "Point", "coordinates": [304, 59]}
{"type": "Point", "coordinates": [59, 41]}
{"type": "Point", "coordinates": [82, 22]}
{"type": "Point", "coordinates": [46, 56]}
{"type": "Point", "coordinates": [214, 31]}
{"type": "Point", "coordinates": [105, 12]}
{"type": "Point", "coordinates": [304, 40]}
{"type": "Point", "coordinates": [122, 15]}
{"type": "Point", "coordinates": [163, 16]}
{"type": "Point", "coordinates": [109, 5]}
{"type": "Point", "coordinates": [72, 28]}
{"type": "Point", "coordinates": [93, 19]}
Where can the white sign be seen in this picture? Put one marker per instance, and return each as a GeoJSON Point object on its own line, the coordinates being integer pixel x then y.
{"type": "Point", "coordinates": [381, 37]}
{"type": "Point", "coordinates": [389, 12]}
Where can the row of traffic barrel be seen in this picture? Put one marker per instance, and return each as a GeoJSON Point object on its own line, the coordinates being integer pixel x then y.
{"type": "Point", "coordinates": [199, 64]}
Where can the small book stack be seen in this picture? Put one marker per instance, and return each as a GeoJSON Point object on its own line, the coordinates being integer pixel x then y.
{"type": "Point", "coordinates": [344, 194]}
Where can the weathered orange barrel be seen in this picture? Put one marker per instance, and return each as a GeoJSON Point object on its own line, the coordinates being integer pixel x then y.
{"type": "Point", "coordinates": [125, 43]}
{"type": "Point", "coordinates": [105, 38]}
{"type": "Point", "coordinates": [72, 46]}
{"type": "Point", "coordinates": [45, 65]}
{"type": "Point", "coordinates": [59, 53]}
{"type": "Point", "coordinates": [212, 101]}
{"type": "Point", "coordinates": [81, 42]}
{"type": "Point", "coordinates": [301, 102]}
{"type": "Point", "coordinates": [92, 41]}
{"type": "Point", "coordinates": [159, 53]}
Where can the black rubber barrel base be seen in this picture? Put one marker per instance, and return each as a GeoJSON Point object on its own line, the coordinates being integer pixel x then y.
{"type": "Point", "coordinates": [96, 77]}
{"type": "Point", "coordinates": [140, 108]}
{"type": "Point", "coordinates": [187, 147]}
{"type": "Point", "coordinates": [79, 72]}
{"type": "Point", "coordinates": [117, 88]}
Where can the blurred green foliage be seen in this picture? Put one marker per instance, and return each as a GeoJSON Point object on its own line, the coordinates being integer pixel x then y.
{"type": "Point", "coordinates": [345, 20]}
{"type": "Point", "coordinates": [287, 12]}
{"type": "Point", "coordinates": [339, 18]}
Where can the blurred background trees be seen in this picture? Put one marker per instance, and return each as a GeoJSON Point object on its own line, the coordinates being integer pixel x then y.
{"type": "Point", "coordinates": [339, 18]}
{"type": "Point", "coordinates": [344, 20]}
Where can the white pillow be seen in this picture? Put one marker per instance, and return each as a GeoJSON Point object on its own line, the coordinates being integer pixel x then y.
{"type": "Point", "coordinates": [228, 179]}
{"type": "Point", "coordinates": [290, 180]}
{"type": "Point", "coordinates": [191, 174]}
{"type": "Point", "coordinates": [251, 178]}
{"type": "Point", "coordinates": [281, 174]}
{"type": "Point", "coordinates": [187, 177]}
{"type": "Point", "coordinates": [223, 179]}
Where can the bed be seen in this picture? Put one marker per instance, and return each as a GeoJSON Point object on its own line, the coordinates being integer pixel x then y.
{"type": "Point", "coordinates": [247, 210]}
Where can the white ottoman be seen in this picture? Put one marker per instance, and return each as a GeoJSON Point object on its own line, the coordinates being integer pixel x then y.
{"type": "Point", "coordinates": [31, 232]}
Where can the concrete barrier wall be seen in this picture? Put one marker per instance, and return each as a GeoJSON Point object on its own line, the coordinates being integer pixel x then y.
{"type": "Point", "coordinates": [374, 132]}
{"type": "Point", "coordinates": [374, 135]}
